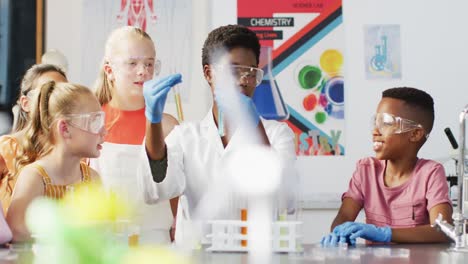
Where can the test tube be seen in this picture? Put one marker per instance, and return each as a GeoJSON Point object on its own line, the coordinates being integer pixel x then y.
{"type": "Point", "coordinates": [244, 229]}
{"type": "Point", "coordinates": [220, 123]}
{"type": "Point", "coordinates": [282, 216]}
{"type": "Point", "coordinates": [180, 113]}
{"type": "Point", "coordinates": [133, 235]}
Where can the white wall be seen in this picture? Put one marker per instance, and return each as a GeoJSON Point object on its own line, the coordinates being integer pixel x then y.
{"type": "Point", "coordinates": [434, 52]}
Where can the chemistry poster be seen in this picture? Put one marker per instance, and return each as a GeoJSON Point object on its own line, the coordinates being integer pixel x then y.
{"type": "Point", "coordinates": [306, 40]}
{"type": "Point", "coordinates": [164, 20]}
{"type": "Point", "coordinates": [382, 52]}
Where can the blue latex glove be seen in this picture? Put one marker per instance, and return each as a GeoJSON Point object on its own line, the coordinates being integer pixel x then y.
{"type": "Point", "coordinates": [332, 239]}
{"type": "Point", "coordinates": [353, 230]}
{"type": "Point", "coordinates": [155, 93]}
{"type": "Point", "coordinates": [344, 237]}
{"type": "Point", "coordinates": [225, 102]}
{"type": "Point", "coordinates": [249, 104]}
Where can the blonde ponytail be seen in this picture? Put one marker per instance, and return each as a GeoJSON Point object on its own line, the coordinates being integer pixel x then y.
{"type": "Point", "coordinates": [103, 88]}
{"type": "Point", "coordinates": [34, 143]}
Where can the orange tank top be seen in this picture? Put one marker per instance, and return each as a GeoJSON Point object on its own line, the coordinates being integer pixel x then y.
{"type": "Point", "coordinates": [57, 192]}
{"type": "Point", "coordinates": [124, 127]}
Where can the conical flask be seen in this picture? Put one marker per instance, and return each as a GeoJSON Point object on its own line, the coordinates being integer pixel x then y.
{"type": "Point", "coordinates": [267, 96]}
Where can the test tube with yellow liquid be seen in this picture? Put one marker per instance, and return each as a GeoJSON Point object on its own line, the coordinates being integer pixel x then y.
{"type": "Point", "coordinates": [283, 230]}
{"type": "Point", "coordinates": [178, 101]}
{"type": "Point", "coordinates": [133, 235]}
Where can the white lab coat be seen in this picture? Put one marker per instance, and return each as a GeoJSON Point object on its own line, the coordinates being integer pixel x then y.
{"type": "Point", "coordinates": [195, 154]}
{"type": "Point", "coordinates": [118, 165]}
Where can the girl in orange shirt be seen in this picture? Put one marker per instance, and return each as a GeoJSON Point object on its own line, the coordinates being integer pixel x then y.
{"type": "Point", "coordinates": [137, 125]}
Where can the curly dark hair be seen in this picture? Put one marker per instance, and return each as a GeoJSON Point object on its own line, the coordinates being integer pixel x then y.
{"type": "Point", "coordinates": [416, 99]}
{"type": "Point", "coordinates": [229, 37]}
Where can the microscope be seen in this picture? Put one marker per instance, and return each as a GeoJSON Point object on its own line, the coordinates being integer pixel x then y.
{"type": "Point", "coordinates": [457, 231]}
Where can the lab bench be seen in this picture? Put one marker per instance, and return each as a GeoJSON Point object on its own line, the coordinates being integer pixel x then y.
{"type": "Point", "coordinates": [402, 253]}
{"type": "Point", "coordinates": [314, 253]}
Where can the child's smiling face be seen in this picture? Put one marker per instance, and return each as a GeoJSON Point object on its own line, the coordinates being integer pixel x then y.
{"type": "Point", "coordinates": [393, 145]}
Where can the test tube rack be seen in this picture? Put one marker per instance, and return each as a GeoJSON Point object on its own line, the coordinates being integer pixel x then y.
{"type": "Point", "coordinates": [226, 236]}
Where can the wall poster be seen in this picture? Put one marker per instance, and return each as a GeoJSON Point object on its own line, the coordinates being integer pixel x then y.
{"type": "Point", "coordinates": [306, 39]}
{"type": "Point", "coordinates": [382, 52]}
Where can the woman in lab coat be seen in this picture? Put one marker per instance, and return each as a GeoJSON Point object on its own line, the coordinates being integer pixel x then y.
{"type": "Point", "coordinates": [196, 150]}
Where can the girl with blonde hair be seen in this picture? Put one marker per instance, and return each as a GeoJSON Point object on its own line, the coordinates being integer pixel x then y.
{"type": "Point", "coordinates": [67, 125]}
{"type": "Point", "coordinates": [137, 125]}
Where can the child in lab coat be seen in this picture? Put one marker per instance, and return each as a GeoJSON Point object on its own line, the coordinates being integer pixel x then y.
{"type": "Point", "coordinates": [401, 194]}
{"type": "Point", "coordinates": [196, 150]}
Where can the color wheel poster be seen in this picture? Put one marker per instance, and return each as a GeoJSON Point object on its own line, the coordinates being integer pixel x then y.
{"type": "Point", "coordinates": [302, 56]}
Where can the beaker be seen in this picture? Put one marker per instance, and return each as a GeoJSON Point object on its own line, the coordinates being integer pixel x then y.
{"type": "Point", "coordinates": [267, 96]}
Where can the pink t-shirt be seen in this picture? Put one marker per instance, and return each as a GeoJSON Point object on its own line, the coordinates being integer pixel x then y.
{"type": "Point", "coordinates": [406, 205]}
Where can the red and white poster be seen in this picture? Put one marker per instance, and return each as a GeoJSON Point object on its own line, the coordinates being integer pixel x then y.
{"type": "Point", "coordinates": [306, 39]}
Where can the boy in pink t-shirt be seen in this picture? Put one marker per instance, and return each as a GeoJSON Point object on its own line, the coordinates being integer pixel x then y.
{"type": "Point", "coordinates": [400, 193]}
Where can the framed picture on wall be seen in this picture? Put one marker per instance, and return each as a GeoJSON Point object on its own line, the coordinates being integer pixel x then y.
{"type": "Point", "coordinates": [382, 52]}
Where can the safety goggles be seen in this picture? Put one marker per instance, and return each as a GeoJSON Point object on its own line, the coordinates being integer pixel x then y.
{"type": "Point", "coordinates": [31, 93]}
{"type": "Point", "coordinates": [133, 64]}
{"type": "Point", "coordinates": [92, 122]}
{"type": "Point", "coordinates": [250, 75]}
{"type": "Point", "coordinates": [388, 124]}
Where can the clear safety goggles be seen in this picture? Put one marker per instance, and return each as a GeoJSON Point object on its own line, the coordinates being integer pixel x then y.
{"type": "Point", "coordinates": [31, 93]}
{"type": "Point", "coordinates": [388, 124]}
{"type": "Point", "coordinates": [92, 122]}
{"type": "Point", "coordinates": [134, 64]}
{"type": "Point", "coordinates": [250, 75]}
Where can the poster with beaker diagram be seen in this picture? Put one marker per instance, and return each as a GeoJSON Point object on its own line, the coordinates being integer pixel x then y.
{"type": "Point", "coordinates": [382, 52]}
{"type": "Point", "coordinates": [302, 57]}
